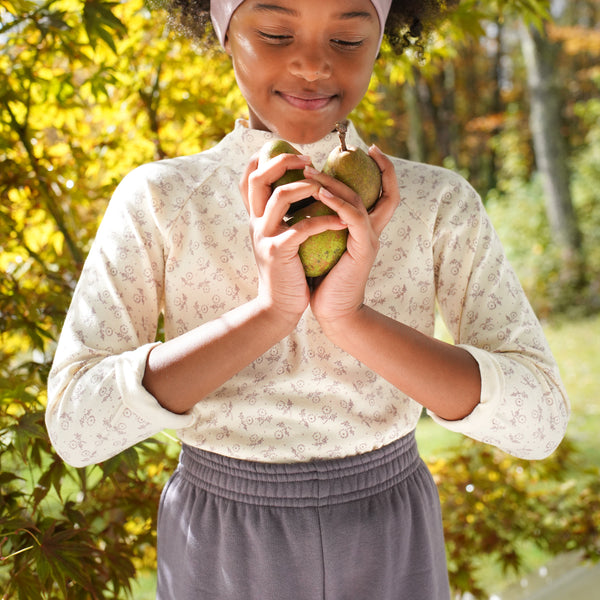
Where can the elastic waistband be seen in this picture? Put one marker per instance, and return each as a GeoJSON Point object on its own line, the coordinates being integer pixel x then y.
{"type": "Point", "coordinates": [316, 483]}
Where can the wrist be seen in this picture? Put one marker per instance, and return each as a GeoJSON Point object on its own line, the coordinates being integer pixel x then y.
{"type": "Point", "coordinates": [345, 325]}
{"type": "Point", "coordinates": [280, 319]}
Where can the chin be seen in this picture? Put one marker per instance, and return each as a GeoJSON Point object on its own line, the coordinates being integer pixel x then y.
{"type": "Point", "coordinates": [297, 129]}
{"type": "Point", "coordinates": [305, 134]}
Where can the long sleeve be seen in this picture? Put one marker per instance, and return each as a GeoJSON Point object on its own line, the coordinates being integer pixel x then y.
{"type": "Point", "coordinates": [524, 408]}
{"type": "Point", "coordinates": [97, 405]}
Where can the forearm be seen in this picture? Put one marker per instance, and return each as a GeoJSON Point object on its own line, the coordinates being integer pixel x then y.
{"type": "Point", "coordinates": [442, 377]}
{"type": "Point", "coordinates": [180, 372]}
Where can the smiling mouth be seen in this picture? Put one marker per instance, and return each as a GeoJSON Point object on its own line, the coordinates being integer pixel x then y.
{"type": "Point", "coordinates": [306, 102]}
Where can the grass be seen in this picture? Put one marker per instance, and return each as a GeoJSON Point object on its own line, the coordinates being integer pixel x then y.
{"type": "Point", "coordinates": [576, 346]}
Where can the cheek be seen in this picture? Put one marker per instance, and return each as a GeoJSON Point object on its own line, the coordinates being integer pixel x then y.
{"type": "Point", "coordinates": [244, 56]}
{"type": "Point", "coordinates": [252, 71]}
{"type": "Point", "coordinates": [359, 77]}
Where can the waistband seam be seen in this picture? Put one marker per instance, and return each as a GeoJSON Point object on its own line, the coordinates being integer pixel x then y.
{"type": "Point", "coordinates": [297, 500]}
{"type": "Point", "coordinates": [318, 483]}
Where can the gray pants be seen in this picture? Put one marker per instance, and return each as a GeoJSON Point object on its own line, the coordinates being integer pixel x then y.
{"type": "Point", "coordinates": [366, 527]}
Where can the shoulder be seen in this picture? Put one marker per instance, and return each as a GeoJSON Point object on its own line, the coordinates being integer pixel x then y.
{"type": "Point", "coordinates": [180, 175]}
{"type": "Point", "coordinates": [435, 194]}
{"type": "Point", "coordinates": [163, 188]}
{"type": "Point", "coordinates": [431, 180]}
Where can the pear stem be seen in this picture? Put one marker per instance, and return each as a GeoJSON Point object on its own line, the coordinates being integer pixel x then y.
{"type": "Point", "coordinates": [342, 128]}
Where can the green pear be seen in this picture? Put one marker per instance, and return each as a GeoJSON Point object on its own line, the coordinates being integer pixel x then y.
{"type": "Point", "coordinates": [355, 168]}
{"type": "Point", "coordinates": [320, 252]}
{"type": "Point", "coordinates": [274, 148]}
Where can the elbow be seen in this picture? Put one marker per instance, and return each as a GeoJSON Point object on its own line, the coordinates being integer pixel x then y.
{"type": "Point", "coordinates": [553, 435]}
{"type": "Point", "coordinates": [67, 443]}
{"type": "Point", "coordinates": [78, 462]}
{"type": "Point", "coordinates": [69, 451]}
{"type": "Point", "coordinates": [555, 438]}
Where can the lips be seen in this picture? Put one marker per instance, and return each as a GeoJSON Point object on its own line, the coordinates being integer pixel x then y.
{"type": "Point", "coordinates": [305, 101]}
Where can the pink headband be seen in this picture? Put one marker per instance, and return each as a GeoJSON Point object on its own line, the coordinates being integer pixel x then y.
{"type": "Point", "coordinates": [222, 10]}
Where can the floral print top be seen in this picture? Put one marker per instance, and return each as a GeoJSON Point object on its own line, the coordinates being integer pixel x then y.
{"type": "Point", "coordinates": [175, 240]}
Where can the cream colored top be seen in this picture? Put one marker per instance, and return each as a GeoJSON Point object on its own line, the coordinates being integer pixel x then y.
{"type": "Point", "coordinates": [175, 239]}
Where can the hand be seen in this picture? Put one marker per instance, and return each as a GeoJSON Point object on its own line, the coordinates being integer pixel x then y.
{"type": "Point", "coordinates": [341, 292]}
{"type": "Point", "coordinates": [282, 282]}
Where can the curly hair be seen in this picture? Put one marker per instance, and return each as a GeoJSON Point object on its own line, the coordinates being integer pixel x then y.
{"type": "Point", "coordinates": [408, 22]}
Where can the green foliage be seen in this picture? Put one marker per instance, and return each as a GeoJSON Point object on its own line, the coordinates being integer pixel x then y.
{"type": "Point", "coordinates": [493, 503]}
{"type": "Point", "coordinates": [516, 207]}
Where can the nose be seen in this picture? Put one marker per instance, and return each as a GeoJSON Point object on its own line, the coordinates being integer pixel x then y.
{"type": "Point", "coordinates": [310, 64]}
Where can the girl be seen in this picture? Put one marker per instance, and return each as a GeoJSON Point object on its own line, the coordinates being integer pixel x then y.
{"type": "Point", "coordinates": [299, 476]}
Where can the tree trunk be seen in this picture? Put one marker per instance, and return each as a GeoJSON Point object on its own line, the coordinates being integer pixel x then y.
{"type": "Point", "coordinates": [416, 136]}
{"type": "Point", "coordinates": [549, 146]}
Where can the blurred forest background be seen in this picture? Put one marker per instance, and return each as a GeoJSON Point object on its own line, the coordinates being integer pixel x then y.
{"type": "Point", "coordinates": [506, 92]}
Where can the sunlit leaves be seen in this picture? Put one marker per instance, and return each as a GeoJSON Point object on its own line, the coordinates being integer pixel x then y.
{"type": "Point", "coordinates": [101, 23]}
{"type": "Point", "coordinates": [494, 504]}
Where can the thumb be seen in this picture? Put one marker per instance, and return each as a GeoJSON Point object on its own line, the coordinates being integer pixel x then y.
{"type": "Point", "coordinates": [389, 200]}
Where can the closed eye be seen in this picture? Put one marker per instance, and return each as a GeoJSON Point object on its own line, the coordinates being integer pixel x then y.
{"type": "Point", "coordinates": [348, 44]}
{"type": "Point", "coordinates": [274, 39]}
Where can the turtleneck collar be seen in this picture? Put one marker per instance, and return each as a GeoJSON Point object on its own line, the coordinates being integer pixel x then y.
{"type": "Point", "coordinates": [249, 141]}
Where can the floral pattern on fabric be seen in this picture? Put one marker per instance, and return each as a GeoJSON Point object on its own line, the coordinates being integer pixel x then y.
{"type": "Point", "coordinates": [175, 240]}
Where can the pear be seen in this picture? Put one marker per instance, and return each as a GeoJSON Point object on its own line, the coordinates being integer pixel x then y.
{"type": "Point", "coordinates": [320, 252]}
{"type": "Point", "coordinates": [355, 168]}
{"type": "Point", "coordinates": [274, 148]}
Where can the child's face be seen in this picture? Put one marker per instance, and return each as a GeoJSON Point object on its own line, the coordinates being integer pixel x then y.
{"type": "Point", "coordinates": [302, 65]}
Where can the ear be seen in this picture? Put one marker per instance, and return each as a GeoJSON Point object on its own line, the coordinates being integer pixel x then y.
{"type": "Point", "coordinates": [227, 45]}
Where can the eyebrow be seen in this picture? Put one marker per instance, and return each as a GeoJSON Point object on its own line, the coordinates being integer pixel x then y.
{"type": "Point", "coordinates": [278, 8]}
{"type": "Point", "coordinates": [356, 14]}
{"type": "Point", "coordinates": [264, 7]}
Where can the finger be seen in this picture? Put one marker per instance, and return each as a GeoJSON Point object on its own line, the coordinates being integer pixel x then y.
{"type": "Point", "coordinates": [389, 200]}
{"type": "Point", "coordinates": [335, 186]}
{"type": "Point", "coordinates": [284, 196]}
{"type": "Point", "coordinates": [305, 228]}
{"type": "Point", "coordinates": [352, 213]}
{"type": "Point", "coordinates": [261, 180]}
{"type": "Point", "coordinates": [277, 166]}
{"type": "Point", "coordinates": [244, 184]}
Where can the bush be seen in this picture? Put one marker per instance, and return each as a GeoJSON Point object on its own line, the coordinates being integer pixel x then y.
{"type": "Point", "coordinates": [494, 505]}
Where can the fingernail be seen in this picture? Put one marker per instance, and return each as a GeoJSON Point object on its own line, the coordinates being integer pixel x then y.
{"type": "Point", "coordinates": [310, 170]}
{"type": "Point", "coordinates": [326, 193]}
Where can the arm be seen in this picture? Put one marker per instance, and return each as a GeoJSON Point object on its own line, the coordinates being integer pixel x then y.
{"type": "Point", "coordinates": [97, 405]}
{"type": "Point", "coordinates": [443, 378]}
{"type": "Point", "coordinates": [180, 372]}
{"type": "Point", "coordinates": [440, 376]}
{"type": "Point", "coordinates": [111, 385]}
{"type": "Point", "coordinates": [185, 369]}
{"type": "Point", "coordinates": [499, 383]}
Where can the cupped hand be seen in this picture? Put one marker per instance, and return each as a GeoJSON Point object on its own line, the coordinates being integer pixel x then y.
{"type": "Point", "coordinates": [340, 294]}
{"type": "Point", "coordinates": [282, 282]}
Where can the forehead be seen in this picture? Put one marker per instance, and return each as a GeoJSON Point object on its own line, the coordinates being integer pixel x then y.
{"type": "Point", "coordinates": [339, 9]}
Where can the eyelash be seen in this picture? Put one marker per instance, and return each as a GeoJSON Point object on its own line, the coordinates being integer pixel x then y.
{"type": "Point", "coordinates": [274, 38]}
{"type": "Point", "coordinates": [348, 44]}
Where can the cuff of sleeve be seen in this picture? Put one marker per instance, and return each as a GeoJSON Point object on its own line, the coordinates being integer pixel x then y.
{"type": "Point", "coordinates": [138, 399]}
{"type": "Point", "coordinates": [492, 389]}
